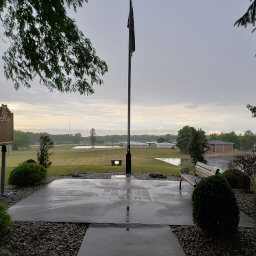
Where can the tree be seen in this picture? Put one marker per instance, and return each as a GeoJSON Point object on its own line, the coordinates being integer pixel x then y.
{"type": "Point", "coordinates": [197, 146]}
{"type": "Point", "coordinates": [77, 138]}
{"type": "Point", "coordinates": [43, 156]}
{"type": "Point", "coordinates": [93, 137]}
{"type": "Point", "coordinates": [248, 140]}
{"type": "Point", "coordinates": [45, 42]}
{"type": "Point", "coordinates": [161, 139]}
{"type": "Point", "coordinates": [184, 136]}
{"type": "Point", "coordinates": [21, 140]}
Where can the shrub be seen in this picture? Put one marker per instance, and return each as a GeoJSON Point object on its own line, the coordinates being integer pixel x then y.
{"type": "Point", "coordinates": [237, 179]}
{"type": "Point", "coordinates": [43, 156]}
{"type": "Point", "coordinates": [5, 219]}
{"type": "Point", "coordinates": [246, 163]}
{"type": "Point", "coordinates": [27, 174]}
{"type": "Point", "coordinates": [30, 161]}
{"type": "Point", "coordinates": [215, 209]}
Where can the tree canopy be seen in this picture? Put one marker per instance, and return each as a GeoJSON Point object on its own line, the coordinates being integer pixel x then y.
{"type": "Point", "coordinates": [45, 42]}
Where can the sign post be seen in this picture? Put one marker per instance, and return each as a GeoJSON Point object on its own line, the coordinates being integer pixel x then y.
{"type": "Point", "coordinates": [6, 137]}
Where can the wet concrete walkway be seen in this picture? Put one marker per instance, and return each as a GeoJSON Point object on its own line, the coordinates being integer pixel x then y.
{"type": "Point", "coordinates": [117, 201]}
{"type": "Point", "coordinates": [126, 216]}
{"type": "Point", "coordinates": [135, 240]}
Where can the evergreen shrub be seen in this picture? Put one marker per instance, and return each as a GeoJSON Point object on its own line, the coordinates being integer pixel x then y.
{"type": "Point", "coordinates": [215, 209]}
{"type": "Point", "coordinates": [5, 219]}
{"type": "Point", "coordinates": [27, 174]}
{"type": "Point", "coordinates": [237, 179]}
{"type": "Point", "coordinates": [30, 161]}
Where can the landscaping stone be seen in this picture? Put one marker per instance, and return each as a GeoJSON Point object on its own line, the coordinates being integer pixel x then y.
{"type": "Point", "coordinates": [157, 175]}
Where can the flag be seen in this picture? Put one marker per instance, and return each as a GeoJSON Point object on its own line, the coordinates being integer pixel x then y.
{"type": "Point", "coordinates": [130, 25]}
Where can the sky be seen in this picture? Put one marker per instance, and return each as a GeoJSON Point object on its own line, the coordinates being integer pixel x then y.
{"type": "Point", "coordinates": [191, 67]}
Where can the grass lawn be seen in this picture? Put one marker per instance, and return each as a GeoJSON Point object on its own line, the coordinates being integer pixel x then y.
{"type": "Point", "coordinates": [66, 161]}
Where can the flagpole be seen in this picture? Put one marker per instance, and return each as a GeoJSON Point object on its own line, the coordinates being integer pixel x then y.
{"type": "Point", "coordinates": [128, 154]}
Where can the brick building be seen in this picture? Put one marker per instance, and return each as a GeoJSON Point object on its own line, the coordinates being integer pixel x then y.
{"type": "Point", "coordinates": [219, 146]}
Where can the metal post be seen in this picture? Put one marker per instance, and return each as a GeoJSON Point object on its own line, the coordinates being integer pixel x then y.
{"type": "Point", "coordinates": [3, 168]}
{"type": "Point", "coordinates": [128, 154]}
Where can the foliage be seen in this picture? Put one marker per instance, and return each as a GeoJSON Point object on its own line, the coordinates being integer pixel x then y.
{"type": "Point", "coordinates": [5, 219]}
{"type": "Point", "coordinates": [21, 140]}
{"type": "Point", "coordinates": [197, 146]}
{"type": "Point", "coordinates": [45, 42]}
{"type": "Point", "coordinates": [248, 140]}
{"type": "Point", "coordinates": [93, 136]}
{"type": "Point", "coordinates": [215, 209]}
{"type": "Point", "coordinates": [245, 163]}
{"type": "Point", "coordinates": [43, 156]}
{"type": "Point", "coordinates": [161, 139]}
{"type": "Point", "coordinates": [27, 174]}
{"type": "Point", "coordinates": [184, 136]}
{"type": "Point", "coordinates": [30, 161]}
{"type": "Point", "coordinates": [252, 109]}
{"type": "Point", "coordinates": [237, 179]}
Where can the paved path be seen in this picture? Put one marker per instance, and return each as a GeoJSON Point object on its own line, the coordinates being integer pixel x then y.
{"type": "Point", "coordinates": [135, 240]}
{"type": "Point", "coordinates": [127, 216]}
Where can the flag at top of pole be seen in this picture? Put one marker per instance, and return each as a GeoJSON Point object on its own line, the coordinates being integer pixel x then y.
{"type": "Point", "coordinates": [130, 25]}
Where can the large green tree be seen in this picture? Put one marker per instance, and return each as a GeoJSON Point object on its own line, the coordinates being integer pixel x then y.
{"type": "Point", "coordinates": [197, 146]}
{"type": "Point", "coordinates": [184, 136]}
{"type": "Point", "coordinates": [46, 43]}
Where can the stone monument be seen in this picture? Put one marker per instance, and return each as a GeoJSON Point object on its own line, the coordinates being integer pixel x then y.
{"type": "Point", "coordinates": [6, 137]}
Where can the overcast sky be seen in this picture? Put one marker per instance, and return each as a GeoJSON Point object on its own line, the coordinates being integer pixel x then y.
{"type": "Point", "coordinates": [191, 67]}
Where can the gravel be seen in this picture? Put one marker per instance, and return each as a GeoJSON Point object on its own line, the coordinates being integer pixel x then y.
{"type": "Point", "coordinates": [40, 238]}
{"type": "Point", "coordinates": [246, 202]}
{"type": "Point", "coordinates": [196, 243]}
{"type": "Point", "coordinates": [21, 193]}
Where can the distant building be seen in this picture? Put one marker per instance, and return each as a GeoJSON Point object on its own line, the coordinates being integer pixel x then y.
{"type": "Point", "coordinates": [134, 144]}
{"type": "Point", "coordinates": [154, 144]}
{"type": "Point", "coordinates": [219, 146]}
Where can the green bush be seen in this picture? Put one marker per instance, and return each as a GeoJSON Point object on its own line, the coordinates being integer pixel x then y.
{"type": "Point", "coordinates": [237, 179]}
{"type": "Point", "coordinates": [27, 174]}
{"type": "Point", "coordinates": [5, 219]}
{"type": "Point", "coordinates": [215, 209]}
{"type": "Point", "coordinates": [30, 161]}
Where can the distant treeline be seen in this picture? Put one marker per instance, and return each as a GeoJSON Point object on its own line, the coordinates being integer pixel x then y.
{"type": "Point", "coordinates": [24, 139]}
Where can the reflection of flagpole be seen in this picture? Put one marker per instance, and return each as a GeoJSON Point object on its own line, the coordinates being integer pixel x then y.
{"type": "Point", "coordinates": [128, 193]}
{"type": "Point", "coordinates": [131, 50]}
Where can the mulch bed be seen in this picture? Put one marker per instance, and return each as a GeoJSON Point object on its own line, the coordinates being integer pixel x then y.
{"type": "Point", "coordinates": [40, 238]}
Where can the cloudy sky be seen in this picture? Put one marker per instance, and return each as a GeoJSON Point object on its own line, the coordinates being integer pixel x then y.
{"type": "Point", "coordinates": [191, 67]}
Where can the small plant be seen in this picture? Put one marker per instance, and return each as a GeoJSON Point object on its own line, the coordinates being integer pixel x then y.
{"type": "Point", "coordinates": [215, 209]}
{"type": "Point", "coordinates": [30, 161]}
{"type": "Point", "coordinates": [27, 174]}
{"type": "Point", "coordinates": [237, 179]}
{"type": "Point", "coordinates": [5, 219]}
{"type": "Point", "coordinates": [43, 156]}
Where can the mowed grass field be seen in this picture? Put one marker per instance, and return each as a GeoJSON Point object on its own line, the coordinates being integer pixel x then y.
{"type": "Point", "coordinates": [66, 160]}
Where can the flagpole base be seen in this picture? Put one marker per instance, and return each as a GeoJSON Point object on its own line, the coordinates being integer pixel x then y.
{"type": "Point", "coordinates": [128, 163]}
